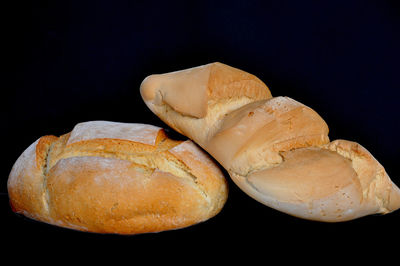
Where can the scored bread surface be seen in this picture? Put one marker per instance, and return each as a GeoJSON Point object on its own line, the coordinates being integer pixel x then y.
{"type": "Point", "coordinates": [276, 149]}
{"type": "Point", "coordinates": [116, 178]}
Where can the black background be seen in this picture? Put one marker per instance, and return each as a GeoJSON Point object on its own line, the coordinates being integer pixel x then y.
{"type": "Point", "coordinates": [69, 62]}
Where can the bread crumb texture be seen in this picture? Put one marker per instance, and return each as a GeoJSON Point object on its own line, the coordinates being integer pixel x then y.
{"type": "Point", "coordinates": [122, 178]}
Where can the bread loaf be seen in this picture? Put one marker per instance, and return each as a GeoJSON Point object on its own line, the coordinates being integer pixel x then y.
{"type": "Point", "coordinates": [120, 178]}
{"type": "Point", "coordinates": [275, 149]}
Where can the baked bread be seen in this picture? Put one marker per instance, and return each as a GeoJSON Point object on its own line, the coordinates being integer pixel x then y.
{"type": "Point", "coordinates": [120, 178]}
{"type": "Point", "coordinates": [275, 149]}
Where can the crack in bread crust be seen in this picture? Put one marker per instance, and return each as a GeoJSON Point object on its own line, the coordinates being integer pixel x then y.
{"type": "Point", "coordinates": [219, 110]}
{"type": "Point", "coordinates": [147, 157]}
{"type": "Point", "coordinates": [253, 136]}
{"type": "Point", "coordinates": [375, 186]}
{"type": "Point", "coordinates": [42, 152]}
{"type": "Point", "coordinates": [45, 195]}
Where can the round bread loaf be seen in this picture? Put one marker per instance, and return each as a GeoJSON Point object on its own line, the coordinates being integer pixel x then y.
{"type": "Point", "coordinates": [109, 177]}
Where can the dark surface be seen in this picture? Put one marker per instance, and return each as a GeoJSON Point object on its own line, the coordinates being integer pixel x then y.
{"type": "Point", "coordinates": [69, 62]}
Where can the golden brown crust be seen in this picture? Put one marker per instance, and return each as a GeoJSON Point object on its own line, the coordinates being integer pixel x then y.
{"type": "Point", "coordinates": [226, 82]}
{"type": "Point", "coordinates": [110, 195]}
{"type": "Point", "coordinates": [25, 184]}
{"type": "Point", "coordinates": [199, 162]}
{"type": "Point", "coordinates": [116, 185]}
{"type": "Point", "coordinates": [42, 149]}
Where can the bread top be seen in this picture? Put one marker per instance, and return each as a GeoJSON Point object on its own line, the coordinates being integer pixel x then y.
{"type": "Point", "coordinates": [140, 133]}
{"type": "Point", "coordinates": [125, 152]}
{"type": "Point", "coordinates": [145, 145]}
{"type": "Point", "coordinates": [339, 181]}
{"type": "Point", "coordinates": [252, 137]}
{"type": "Point", "coordinates": [243, 131]}
{"type": "Point", "coordinates": [191, 91]}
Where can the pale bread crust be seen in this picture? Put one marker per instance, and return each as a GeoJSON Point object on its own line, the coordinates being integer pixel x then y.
{"type": "Point", "coordinates": [198, 86]}
{"type": "Point", "coordinates": [120, 178]}
{"type": "Point", "coordinates": [277, 150]}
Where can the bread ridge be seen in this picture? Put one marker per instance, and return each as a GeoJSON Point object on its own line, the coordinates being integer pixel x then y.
{"type": "Point", "coordinates": [119, 149]}
{"type": "Point", "coordinates": [212, 83]}
{"type": "Point", "coordinates": [375, 183]}
{"type": "Point", "coordinates": [147, 157]}
{"type": "Point", "coordinates": [258, 155]}
{"type": "Point", "coordinates": [264, 130]}
{"type": "Point", "coordinates": [203, 177]}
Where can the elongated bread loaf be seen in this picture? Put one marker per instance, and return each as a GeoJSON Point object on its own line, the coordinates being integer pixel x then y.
{"type": "Point", "coordinates": [275, 149]}
{"type": "Point", "coordinates": [121, 178]}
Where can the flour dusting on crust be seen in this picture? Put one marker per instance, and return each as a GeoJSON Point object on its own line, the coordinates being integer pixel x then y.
{"type": "Point", "coordinates": [26, 162]}
{"type": "Point", "coordinates": [282, 104]}
{"type": "Point", "coordinates": [96, 171]}
{"type": "Point", "coordinates": [189, 150]}
{"type": "Point", "coordinates": [142, 133]}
